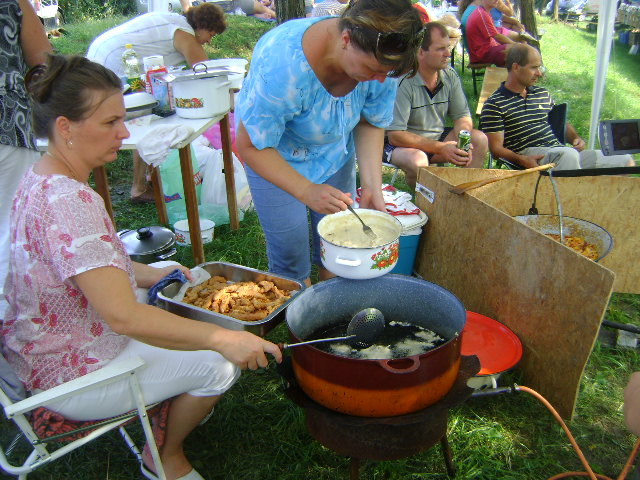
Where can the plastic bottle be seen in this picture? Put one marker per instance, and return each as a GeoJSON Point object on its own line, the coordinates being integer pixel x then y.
{"type": "Point", "coordinates": [131, 65]}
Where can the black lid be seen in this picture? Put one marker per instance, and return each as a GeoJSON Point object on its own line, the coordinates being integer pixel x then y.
{"type": "Point", "coordinates": [147, 240]}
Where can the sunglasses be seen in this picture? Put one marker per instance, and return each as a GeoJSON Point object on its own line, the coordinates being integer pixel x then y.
{"type": "Point", "coordinates": [395, 43]}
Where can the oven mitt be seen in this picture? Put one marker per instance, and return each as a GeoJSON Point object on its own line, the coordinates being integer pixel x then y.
{"type": "Point", "coordinates": [152, 294]}
{"type": "Point", "coordinates": [154, 146]}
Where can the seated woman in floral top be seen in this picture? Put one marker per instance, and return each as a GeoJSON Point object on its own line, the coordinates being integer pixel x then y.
{"type": "Point", "coordinates": [70, 289]}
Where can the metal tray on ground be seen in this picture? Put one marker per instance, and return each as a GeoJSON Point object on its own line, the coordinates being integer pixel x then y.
{"type": "Point", "coordinates": [233, 273]}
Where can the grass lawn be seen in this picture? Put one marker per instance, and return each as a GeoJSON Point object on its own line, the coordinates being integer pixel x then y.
{"type": "Point", "coordinates": [257, 433]}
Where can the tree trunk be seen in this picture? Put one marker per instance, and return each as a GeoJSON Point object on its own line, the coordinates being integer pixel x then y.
{"type": "Point", "coordinates": [528, 16]}
{"type": "Point", "coordinates": [289, 9]}
{"type": "Point", "coordinates": [556, 5]}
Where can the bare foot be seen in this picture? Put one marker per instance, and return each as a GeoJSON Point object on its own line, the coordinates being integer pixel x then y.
{"type": "Point", "coordinates": [175, 466]}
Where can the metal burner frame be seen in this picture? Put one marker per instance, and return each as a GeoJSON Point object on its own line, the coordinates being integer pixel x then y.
{"type": "Point", "coordinates": [386, 438]}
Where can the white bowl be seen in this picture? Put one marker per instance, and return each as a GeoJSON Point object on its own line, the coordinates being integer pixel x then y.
{"type": "Point", "coordinates": [181, 228]}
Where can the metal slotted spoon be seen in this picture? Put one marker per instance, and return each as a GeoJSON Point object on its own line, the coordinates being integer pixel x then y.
{"type": "Point", "coordinates": [365, 228]}
{"type": "Point", "coordinates": [364, 328]}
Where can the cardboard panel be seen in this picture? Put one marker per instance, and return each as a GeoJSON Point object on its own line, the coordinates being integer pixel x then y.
{"type": "Point", "coordinates": [551, 297]}
{"type": "Point", "coordinates": [613, 202]}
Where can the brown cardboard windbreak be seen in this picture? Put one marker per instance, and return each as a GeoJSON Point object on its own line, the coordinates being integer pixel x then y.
{"type": "Point", "coordinates": [553, 298]}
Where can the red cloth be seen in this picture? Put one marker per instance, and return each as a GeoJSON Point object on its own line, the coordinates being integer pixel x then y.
{"type": "Point", "coordinates": [47, 423]}
{"type": "Point", "coordinates": [479, 34]}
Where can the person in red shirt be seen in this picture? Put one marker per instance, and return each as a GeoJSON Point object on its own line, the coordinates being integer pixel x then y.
{"type": "Point", "coordinates": [485, 44]}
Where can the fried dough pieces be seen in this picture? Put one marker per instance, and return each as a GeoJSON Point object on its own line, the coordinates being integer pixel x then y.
{"type": "Point", "coordinates": [247, 301]}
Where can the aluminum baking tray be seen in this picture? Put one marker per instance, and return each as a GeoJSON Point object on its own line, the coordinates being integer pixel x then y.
{"type": "Point", "coordinates": [233, 273]}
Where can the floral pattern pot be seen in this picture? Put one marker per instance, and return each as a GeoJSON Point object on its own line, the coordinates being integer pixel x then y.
{"type": "Point", "coordinates": [356, 262]}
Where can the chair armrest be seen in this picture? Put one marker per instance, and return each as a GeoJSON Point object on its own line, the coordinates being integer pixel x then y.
{"type": "Point", "coordinates": [104, 376]}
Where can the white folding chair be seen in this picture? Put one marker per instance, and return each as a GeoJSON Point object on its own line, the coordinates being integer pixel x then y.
{"type": "Point", "coordinates": [19, 410]}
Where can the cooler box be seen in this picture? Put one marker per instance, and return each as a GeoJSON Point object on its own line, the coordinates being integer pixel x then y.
{"type": "Point", "coordinates": [409, 239]}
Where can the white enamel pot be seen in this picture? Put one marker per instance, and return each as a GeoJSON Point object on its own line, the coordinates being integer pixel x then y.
{"type": "Point", "coordinates": [357, 262]}
{"type": "Point", "coordinates": [201, 93]}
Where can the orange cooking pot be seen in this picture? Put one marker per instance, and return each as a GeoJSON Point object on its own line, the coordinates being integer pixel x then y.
{"type": "Point", "coordinates": [376, 388]}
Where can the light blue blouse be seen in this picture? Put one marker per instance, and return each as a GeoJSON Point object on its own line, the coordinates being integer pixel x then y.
{"type": "Point", "coordinates": [283, 105]}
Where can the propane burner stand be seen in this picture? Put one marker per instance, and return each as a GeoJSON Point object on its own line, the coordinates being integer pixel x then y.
{"type": "Point", "coordinates": [386, 438]}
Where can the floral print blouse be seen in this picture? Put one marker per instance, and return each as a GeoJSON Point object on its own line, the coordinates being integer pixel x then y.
{"type": "Point", "coordinates": [60, 229]}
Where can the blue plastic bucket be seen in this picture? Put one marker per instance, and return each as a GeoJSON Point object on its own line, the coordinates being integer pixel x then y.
{"type": "Point", "coordinates": [407, 252]}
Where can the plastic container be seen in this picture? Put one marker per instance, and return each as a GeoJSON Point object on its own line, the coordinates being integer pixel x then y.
{"type": "Point", "coordinates": [409, 240]}
{"type": "Point", "coordinates": [183, 237]}
{"type": "Point", "coordinates": [131, 67]}
{"type": "Point", "coordinates": [172, 188]}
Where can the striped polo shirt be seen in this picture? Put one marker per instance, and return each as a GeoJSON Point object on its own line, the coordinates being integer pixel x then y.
{"type": "Point", "coordinates": [524, 121]}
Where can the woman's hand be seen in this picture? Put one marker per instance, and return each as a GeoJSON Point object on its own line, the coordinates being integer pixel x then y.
{"type": "Point", "coordinates": [325, 199]}
{"type": "Point", "coordinates": [245, 349]}
{"type": "Point", "coordinates": [372, 199]}
{"type": "Point", "coordinates": [147, 276]}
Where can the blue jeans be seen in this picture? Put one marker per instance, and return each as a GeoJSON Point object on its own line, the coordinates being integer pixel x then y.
{"type": "Point", "coordinates": [285, 222]}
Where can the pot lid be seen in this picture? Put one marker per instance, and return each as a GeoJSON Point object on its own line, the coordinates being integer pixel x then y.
{"type": "Point", "coordinates": [147, 240]}
{"type": "Point", "coordinates": [199, 71]}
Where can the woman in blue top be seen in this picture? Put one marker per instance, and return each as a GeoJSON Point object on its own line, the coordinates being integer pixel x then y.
{"type": "Point", "coordinates": [319, 93]}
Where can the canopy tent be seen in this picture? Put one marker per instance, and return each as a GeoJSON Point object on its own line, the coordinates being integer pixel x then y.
{"type": "Point", "coordinates": [606, 22]}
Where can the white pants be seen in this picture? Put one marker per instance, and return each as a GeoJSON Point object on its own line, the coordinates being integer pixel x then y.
{"type": "Point", "coordinates": [201, 373]}
{"type": "Point", "coordinates": [568, 158]}
{"type": "Point", "coordinates": [14, 161]}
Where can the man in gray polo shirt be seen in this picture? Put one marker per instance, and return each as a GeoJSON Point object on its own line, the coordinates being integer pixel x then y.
{"type": "Point", "coordinates": [417, 136]}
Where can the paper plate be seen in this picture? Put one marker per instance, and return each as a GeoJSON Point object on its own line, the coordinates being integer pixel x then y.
{"type": "Point", "coordinates": [496, 346]}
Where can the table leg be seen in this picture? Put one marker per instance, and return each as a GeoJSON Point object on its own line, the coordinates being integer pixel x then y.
{"type": "Point", "coordinates": [229, 176]}
{"type": "Point", "coordinates": [158, 196]}
{"type": "Point", "coordinates": [102, 187]}
{"type": "Point", "coordinates": [192, 204]}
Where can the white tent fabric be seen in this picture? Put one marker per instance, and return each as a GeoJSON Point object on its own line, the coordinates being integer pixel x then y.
{"type": "Point", "coordinates": [606, 22]}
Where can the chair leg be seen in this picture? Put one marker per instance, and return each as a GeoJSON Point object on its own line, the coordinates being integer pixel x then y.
{"type": "Point", "coordinates": [146, 426]}
{"type": "Point", "coordinates": [475, 88]}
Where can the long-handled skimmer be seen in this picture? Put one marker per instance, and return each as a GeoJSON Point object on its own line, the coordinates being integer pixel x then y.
{"type": "Point", "coordinates": [364, 328]}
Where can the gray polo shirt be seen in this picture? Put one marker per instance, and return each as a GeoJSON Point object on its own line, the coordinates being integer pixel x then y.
{"type": "Point", "coordinates": [422, 112]}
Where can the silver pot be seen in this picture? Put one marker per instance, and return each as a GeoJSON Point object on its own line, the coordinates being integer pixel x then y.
{"type": "Point", "coordinates": [149, 244]}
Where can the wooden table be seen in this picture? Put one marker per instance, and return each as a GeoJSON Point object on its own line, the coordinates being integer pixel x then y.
{"type": "Point", "coordinates": [493, 77]}
{"type": "Point", "coordinates": [199, 125]}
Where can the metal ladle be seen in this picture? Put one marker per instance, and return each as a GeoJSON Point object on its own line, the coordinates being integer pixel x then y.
{"type": "Point", "coordinates": [365, 228]}
{"type": "Point", "coordinates": [364, 327]}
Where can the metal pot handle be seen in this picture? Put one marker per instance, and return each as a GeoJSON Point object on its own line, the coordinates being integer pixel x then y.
{"type": "Point", "coordinates": [348, 263]}
{"type": "Point", "coordinates": [164, 256]}
{"type": "Point", "coordinates": [415, 364]}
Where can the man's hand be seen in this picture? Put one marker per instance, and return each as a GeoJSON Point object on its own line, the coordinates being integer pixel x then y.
{"type": "Point", "coordinates": [529, 161]}
{"type": "Point", "coordinates": [450, 152]}
{"type": "Point", "coordinates": [578, 144]}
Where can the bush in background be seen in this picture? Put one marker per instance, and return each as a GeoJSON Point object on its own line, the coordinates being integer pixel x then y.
{"type": "Point", "coordinates": [80, 10]}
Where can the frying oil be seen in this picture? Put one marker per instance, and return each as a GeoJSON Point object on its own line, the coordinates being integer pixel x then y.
{"type": "Point", "coordinates": [398, 340]}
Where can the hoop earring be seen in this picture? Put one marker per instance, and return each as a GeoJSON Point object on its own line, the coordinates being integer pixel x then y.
{"type": "Point", "coordinates": [69, 143]}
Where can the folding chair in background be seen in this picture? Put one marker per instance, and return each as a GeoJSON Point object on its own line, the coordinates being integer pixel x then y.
{"type": "Point", "coordinates": [558, 122]}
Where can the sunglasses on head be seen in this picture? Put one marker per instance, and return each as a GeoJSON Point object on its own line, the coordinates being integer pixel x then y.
{"type": "Point", "coordinates": [395, 43]}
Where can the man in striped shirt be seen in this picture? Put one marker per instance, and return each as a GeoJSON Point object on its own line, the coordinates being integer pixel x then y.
{"type": "Point", "coordinates": [515, 119]}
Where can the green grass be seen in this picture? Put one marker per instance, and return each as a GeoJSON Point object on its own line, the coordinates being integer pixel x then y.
{"type": "Point", "coordinates": [257, 433]}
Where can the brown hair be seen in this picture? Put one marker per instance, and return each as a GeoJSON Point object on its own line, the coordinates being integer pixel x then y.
{"type": "Point", "coordinates": [518, 53]}
{"type": "Point", "coordinates": [462, 6]}
{"type": "Point", "coordinates": [428, 29]}
{"type": "Point", "coordinates": [365, 19]}
{"type": "Point", "coordinates": [207, 16]}
{"type": "Point", "coordinates": [64, 86]}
